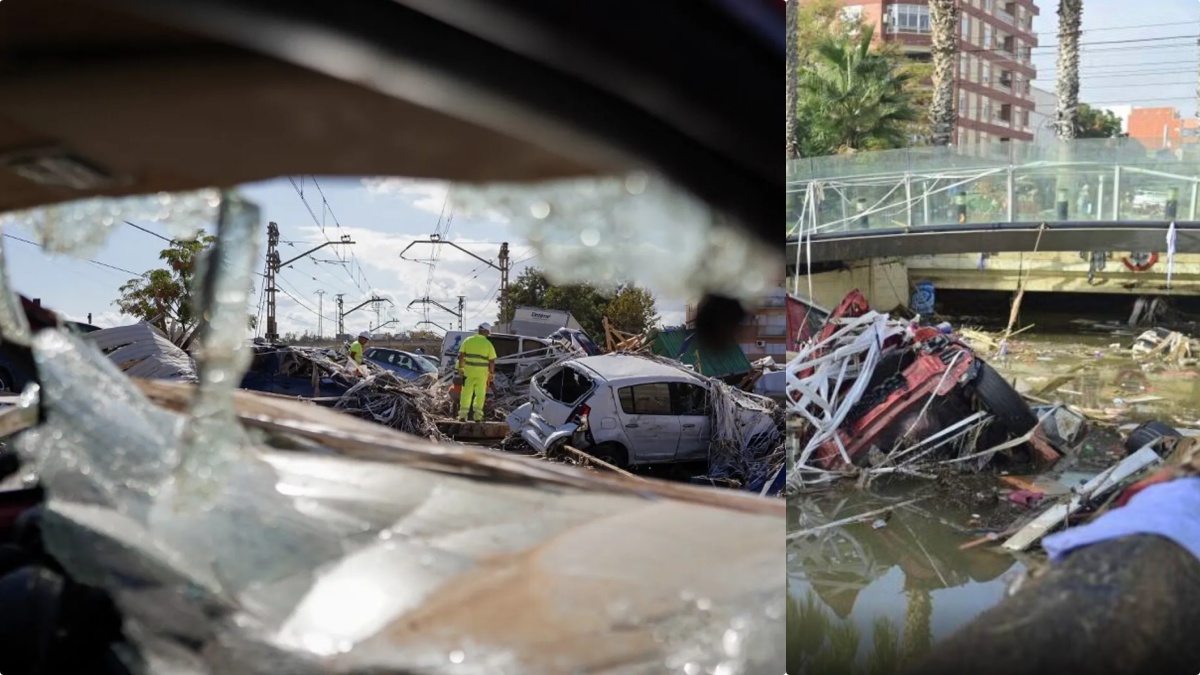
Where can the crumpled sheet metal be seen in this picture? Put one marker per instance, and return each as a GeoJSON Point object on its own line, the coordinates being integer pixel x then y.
{"type": "Point", "coordinates": [141, 350]}
{"type": "Point", "coordinates": [301, 563]}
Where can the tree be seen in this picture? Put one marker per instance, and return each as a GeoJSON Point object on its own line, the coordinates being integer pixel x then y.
{"type": "Point", "coordinates": [629, 308]}
{"type": "Point", "coordinates": [1070, 17]}
{"type": "Point", "coordinates": [528, 290]}
{"type": "Point", "coordinates": [943, 19]}
{"type": "Point", "coordinates": [854, 98]}
{"type": "Point", "coordinates": [1094, 123]}
{"type": "Point", "coordinates": [632, 310]}
{"type": "Point", "coordinates": [162, 297]}
{"type": "Point", "coordinates": [583, 301]}
{"type": "Point", "coordinates": [791, 63]}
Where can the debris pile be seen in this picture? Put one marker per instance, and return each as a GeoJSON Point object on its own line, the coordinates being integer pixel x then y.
{"type": "Point", "coordinates": [875, 395]}
{"type": "Point", "coordinates": [1167, 346]}
{"type": "Point", "coordinates": [410, 406]}
{"type": "Point", "coordinates": [746, 447]}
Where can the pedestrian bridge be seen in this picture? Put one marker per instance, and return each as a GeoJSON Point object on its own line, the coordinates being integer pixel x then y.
{"type": "Point", "coordinates": [1087, 195]}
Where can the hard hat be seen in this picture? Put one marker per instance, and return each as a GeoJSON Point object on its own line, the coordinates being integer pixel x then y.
{"type": "Point", "coordinates": [485, 326]}
{"type": "Point", "coordinates": [365, 334]}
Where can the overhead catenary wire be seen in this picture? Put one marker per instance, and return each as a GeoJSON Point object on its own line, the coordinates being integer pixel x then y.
{"type": "Point", "coordinates": [150, 232]}
{"type": "Point", "coordinates": [94, 262]}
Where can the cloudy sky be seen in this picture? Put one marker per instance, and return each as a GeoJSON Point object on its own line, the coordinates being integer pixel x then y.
{"type": "Point", "coordinates": [1135, 52]}
{"type": "Point", "coordinates": [381, 217]}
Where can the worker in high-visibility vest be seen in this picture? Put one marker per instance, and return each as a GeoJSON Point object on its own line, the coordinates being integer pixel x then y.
{"type": "Point", "coordinates": [477, 365]}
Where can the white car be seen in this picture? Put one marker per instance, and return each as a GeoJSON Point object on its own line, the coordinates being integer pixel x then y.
{"type": "Point", "coordinates": [624, 409]}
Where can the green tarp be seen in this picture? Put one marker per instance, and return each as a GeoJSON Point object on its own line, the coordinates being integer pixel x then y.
{"type": "Point", "coordinates": [720, 364]}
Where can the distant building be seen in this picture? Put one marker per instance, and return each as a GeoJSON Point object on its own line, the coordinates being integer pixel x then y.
{"type": "Point", "coordinates": [1045, 111]}
{"type": "Point", "coordinates": [1163, 129]}
{"type": "Point", "coordinates": [995, 70]}
{"type": "Point", "coordinates": [764, 330]}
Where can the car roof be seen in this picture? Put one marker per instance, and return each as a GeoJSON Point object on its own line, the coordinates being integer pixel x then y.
{"type": "Point", "coordinates": [627, 366]}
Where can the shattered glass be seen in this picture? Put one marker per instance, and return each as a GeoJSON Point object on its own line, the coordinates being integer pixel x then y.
{"type": "Point", "coordinates": [637, 227]}
{"type": "Point", "coordinates": [82, 227]}
{"type": "Point", "coordinates": [229, 551]}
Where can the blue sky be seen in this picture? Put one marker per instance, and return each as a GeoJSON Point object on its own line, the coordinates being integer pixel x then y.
{"type": "Point", "coordinates": [382, 217]}
{"type": "Point", "coordinates": [1155, 72]}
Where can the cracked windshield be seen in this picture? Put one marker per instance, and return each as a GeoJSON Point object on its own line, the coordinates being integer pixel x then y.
{"type": "Point", "coordinates": [326, 351]}
{"type": "Point", "coordinates": [993, 336]}
{"type": "Point", "coordinates": [511, 322]}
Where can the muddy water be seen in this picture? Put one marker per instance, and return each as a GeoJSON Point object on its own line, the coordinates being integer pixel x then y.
{"type": "Point", "coordinates": [869, 597]}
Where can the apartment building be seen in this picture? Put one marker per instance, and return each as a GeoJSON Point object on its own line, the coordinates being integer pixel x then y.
{"type": "Point", "coordinates": [764, 330]}
{"type": "Point", "coordinates": [995, 68]}
{"type": "Point", "coordinates": [1163, 129]}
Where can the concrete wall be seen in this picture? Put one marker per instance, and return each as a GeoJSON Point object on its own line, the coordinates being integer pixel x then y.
{"type": "Point", "coordinates": [1054, 272]}
{"type": "Point", "coordinates": [884, 282]}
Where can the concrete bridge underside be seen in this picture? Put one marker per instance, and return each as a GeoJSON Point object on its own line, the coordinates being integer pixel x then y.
{"type": "Point", "coordinates": [1118, 237]}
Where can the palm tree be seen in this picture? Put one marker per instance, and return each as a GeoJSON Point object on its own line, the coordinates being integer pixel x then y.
{"type": "Point", "coordinates": [943, 18]}
{"type": "Point", "coordinates": [791, 78]}
{"type": "Point", "coordinates": [918, 634]}
{"type": "Point", "coordinates": [854, 98]}
{"type": "Point", "coordinates": [1070, 16]}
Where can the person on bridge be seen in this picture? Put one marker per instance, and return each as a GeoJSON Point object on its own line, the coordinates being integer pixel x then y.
{"type": "Point", "coordinates": [477, 364]}
{"type": "Point", "coordinates": [356, 347]}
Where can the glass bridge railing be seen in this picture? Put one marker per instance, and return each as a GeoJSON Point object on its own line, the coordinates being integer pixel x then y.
{"type": "Point", "coordinates": [1103, 180]}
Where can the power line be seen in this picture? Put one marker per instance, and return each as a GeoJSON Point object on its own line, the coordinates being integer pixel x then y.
{"type": "Point", "coordinates": [999, 51]}
{"type": "Point", "coordinates": [328, 207]}
{"type": "Point", "coordinates": [1123, 42]}
{"type": "Point", "coordinates": [299, 302]}
{"type": "Point", "coordinates": [320, 223]}
{"type": "Point", "coordinates": [150, 232]}
{"type": "Point", "coordinates": [94, 262]}
{"type": "Point", "coordinates": [1110, 28]}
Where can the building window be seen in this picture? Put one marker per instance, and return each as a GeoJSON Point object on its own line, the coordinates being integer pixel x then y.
{"type": "Point", "coordinates": [962, 103]}
{"type": "Point", "coordinates": [965, 28]}
{"type": "Point", "coordinates": [989, 5]}
{"type": "Point", "coordinates": [985, 75]}
{"type": "Point", "coordinates": [908, 19]}
{"type": "Point", "coordinates": [1025, 119]}
{"type": "Point", "coordinates": [987, 36]}
{"type": "Point", "coordinates": [1006, 79]}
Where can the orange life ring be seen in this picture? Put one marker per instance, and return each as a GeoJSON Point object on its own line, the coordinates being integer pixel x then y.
{"type": "Point", "coordinates": [1144, 266]}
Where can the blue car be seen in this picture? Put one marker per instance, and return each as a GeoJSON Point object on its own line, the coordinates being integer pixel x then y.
{"type": "Point", "coordinates": [406, 365]}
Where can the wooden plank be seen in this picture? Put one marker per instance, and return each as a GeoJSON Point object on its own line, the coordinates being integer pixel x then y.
{"type": "Point", "coordinates": [1057, 514]}
{"type": "Point", "coordinates": [473, 430]}
{"type": "Point", "coordinates": [599, 462]}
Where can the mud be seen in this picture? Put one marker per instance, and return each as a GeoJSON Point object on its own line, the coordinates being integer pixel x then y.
{"type": "Point", "coordinates": [872, 597]}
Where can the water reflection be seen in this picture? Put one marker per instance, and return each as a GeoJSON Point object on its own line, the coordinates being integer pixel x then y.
{"type": "Point", "coordinates": [869, 597]}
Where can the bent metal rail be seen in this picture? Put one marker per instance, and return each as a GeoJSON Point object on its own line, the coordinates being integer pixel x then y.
{"type": "Point", "coordinates": [1085, 195]}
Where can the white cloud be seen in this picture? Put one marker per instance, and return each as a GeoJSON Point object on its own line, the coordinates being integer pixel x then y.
{"type": "Point", "coordinates": [427, 195]}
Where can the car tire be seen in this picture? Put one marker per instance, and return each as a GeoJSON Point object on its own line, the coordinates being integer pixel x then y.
{"type": "Point", "coordinates": [998, 397]}
{"type": "Point", "coordinates": [612, 453]}
{"type": "Point", "coordinates": [1149, 433]}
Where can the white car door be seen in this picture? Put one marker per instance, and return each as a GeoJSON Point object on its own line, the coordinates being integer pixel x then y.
{"type": "Point", "coordinates": [690, 403]}
{"type": "Point", "coordinates": [651, 426]}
